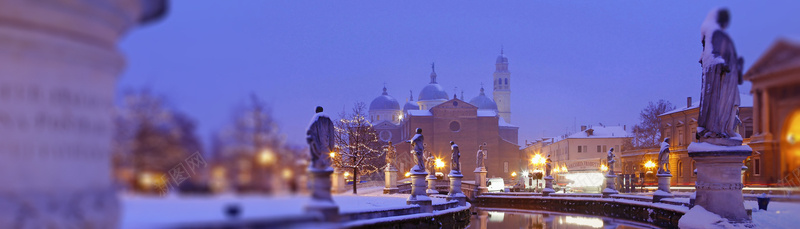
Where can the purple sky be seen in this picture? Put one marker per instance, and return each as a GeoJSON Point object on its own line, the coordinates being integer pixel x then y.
{"type": "Point", "coordinates": [588, 63]}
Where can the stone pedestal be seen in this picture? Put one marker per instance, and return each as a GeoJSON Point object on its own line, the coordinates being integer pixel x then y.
{"type": "Point", "coordinates": [338, 181]}
{"type": "Point", "coordinates": [455, 188]}
{"type": "Point", "coordinates": [610, 189]}
{"type": "Point", "coordinates": [391, 180]}
{"type": "Point", "coordinates": [58, 80]}
{"type": "Point", "coordinates": [548, 186]}
{"type": "Point", "coordinates": [431, 185]}
{"type": "Point", "coordinates": [321, 202]}
{"type": "Point", "coordinates": [719, 186]}
{"type": "Point", "coordinates": [480, 181]}
{"type": "Point", "coordinates": [418, 195]}
{"type": "Point", "coordinates": [663, 187]}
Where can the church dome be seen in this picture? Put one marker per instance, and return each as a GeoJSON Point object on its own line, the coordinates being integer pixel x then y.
{"type": "Point", "coordinates": [432, 91]}
{"type": "Point", "coordinates": [483, 102]}
{"type": "Point", "coordinates": [410, 104]}
{"type": "Point", "coordinates": [384, 102]}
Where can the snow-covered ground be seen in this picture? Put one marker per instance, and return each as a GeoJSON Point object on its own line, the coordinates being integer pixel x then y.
{"type": "Point", "coordinates": [779, 215]}
{"type": "Point", "coordinates": [150, 211]}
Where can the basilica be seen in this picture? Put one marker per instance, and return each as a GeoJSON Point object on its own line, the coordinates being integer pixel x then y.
{"type": "Point", "coordinates": [443, 118]}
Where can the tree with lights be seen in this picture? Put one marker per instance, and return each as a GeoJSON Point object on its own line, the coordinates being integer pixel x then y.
{"type": "Point", "coordinates": [357, 146]}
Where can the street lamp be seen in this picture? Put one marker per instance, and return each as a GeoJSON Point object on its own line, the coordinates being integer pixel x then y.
{"type": "Point", "coordinates": [266, 157]}
{"type": "Point", "coordinates": [649, 165]}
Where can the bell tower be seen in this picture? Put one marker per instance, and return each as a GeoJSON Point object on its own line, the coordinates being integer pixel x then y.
{"type": "Point", "coordinates": [502, 87]}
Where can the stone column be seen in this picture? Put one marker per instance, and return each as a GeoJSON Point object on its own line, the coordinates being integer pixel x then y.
{"type": "Point", "coordinates": [431, 185]}
{"type": "Point", "coordinates": [418, 195]}
{"type": "Point", "coordinates": [321, 202]}
{"type": "Point", "coordinates": [480, 181]}
{"type": "Point", "coordinates": [610, 189]}
{"type": "Point", "coordinates": [391, 180]}
{"type": "Point", "coordinates": [60, 65]}
{"type": "Point", "coordinates": [663, 187]}
{"type": "Point", "coordinates": [718, 185]}
{"type": "Point", "coordinates": [455, 188]}
{"type": "Point", "coordinates": [548, 186]}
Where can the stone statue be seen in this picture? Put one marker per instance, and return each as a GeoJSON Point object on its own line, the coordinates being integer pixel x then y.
{"type": "Point", "coordinates": [391, 154]}
{"type": "Point", "coordinates": [722, 74]}
{"type": "Point", "coordinates": [482, 155]}
{"type": "Point", "coordinates": [548, 166]}
{"type": "Point", "coordinates": [430, 163]}
{"type": "Point", "coordinates": [610, 161]}
{"type": "Point", "coordinates": [663, 158]}
{"type": "Point", "coordinates": [320, 140]}
{"type": "Point", "coordinates": [455, 156]}
{"type": "Point", "coordinates": [418, 147]}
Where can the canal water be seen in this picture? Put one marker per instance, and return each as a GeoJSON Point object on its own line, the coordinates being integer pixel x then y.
{"type": "Point", "coordinates": [513, 218]}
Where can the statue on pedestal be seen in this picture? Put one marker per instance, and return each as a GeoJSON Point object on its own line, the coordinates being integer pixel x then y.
{"type": "Point", "coordinates": [663, 157]}
{"type": "Point", "coordinates": [722, 73]}
{"type": "Point", "coordinates": [391, 154]}
{"type": "Point", "coordinates": [610, 161]}
{"type": "Point", "coordinates": [482, 155]}
{"type": "Point", "coordinates": [430, 163]}
{"type": "Point", "coordinates": [455, 156]}
{"type": "Point", "coordinates": [548, 166]}
{"type": "Point", "coordinates": [320, 140]}
{"type": "Point", "coordinates": [418, 146]}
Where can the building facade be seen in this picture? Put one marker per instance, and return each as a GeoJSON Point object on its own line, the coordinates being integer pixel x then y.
{"type": "Point", "coordinates": [776, 136]}
{"type": "Point", "coordinates": [446, 118]}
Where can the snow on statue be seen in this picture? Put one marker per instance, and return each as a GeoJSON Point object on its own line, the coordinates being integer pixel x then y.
{"type": "Point", "coordinates": [481, 156]}
{"type": "Point", "coordinates": [722, 74]}
{"type": "Point", "coordinates": [320, 140]}
{"type": "Point", "coordinates": [391, 153]}
{"type": "Point", "coordinates": [663, 157]}
{"type": "Point", "coordinates": [417, 144]}
{"type": "Point", "coordinates": [455, 156]}
{"type": "Point", "coordinates": [610, 161]}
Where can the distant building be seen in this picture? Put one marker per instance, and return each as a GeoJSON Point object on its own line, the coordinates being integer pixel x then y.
{"type": "Point", "coordinates": [776, 136]}
{"type": "Point", "coordinates": [581, 153]}
{"type": "Point", "coordinates": [445, 118]}
{"type": "Point", "coordinates": [680, 125]}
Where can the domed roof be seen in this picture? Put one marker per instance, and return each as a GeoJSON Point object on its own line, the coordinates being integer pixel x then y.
{"type": "Point", "coordinates": [432, 91]}
{"type": "Point", "coordinates": [384, 102]}
{"type": "Point", "coordinates": [502, 59]}
{"type": "Point", "coordinates": [410, 104]}
{"type": "Point", "coordinates": [483, 102]}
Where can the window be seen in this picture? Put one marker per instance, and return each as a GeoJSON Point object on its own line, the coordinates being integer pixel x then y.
{"type": "Point", "coordinates": [616, 148]}
{"type": "Point", "coordinates": [693, 169]}
{"type": "Point", "coordinates": [605, 148]}
{"type": "Point", "coordinates": [506, 81]}
{"type": "Point", "coordinates": [379, 117]}
{"type": "Point", "coordinates": [680, 137]}
{"type": "Point", "coordinates": [586, 149]}
{"type": "Point", "coordinates": [505, 167]}
{"type": "Point", "coordinates": [455, 126]}
{"type": "Point", "coordinates": [579, 149]}
{"type": "Point", "coordinates": [599, 149]}
{"type": "Point", "coordinates": [499, 81]}
{"type": "Point", "coordinates": [757, 167]}
{"type": "Point", "coordinates": [680, 169]}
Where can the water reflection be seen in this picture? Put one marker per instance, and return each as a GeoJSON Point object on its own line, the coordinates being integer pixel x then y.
{"type": "Point", "coordinates": [512, 218]}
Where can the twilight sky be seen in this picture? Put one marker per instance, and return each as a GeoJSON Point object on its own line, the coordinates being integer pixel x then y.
{"type": "Point", "coordinates": [571, 62]}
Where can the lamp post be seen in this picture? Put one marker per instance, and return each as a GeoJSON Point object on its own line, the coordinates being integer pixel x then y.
{"type": "Point", "coordinates": [266, 158]}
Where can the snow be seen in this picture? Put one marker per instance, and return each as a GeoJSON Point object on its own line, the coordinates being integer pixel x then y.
{"type": "Point", "coordinates": [154, 211]}
{"type": "Point", "coordinates": [420, 113]}
{"type": "Point", "coordinates": [602, 132]}
{"type": "Point", "coordinates": [502, 122]}
{"type": "Point", "coordinates": [404, 217]}
{"type": "Point", "coordinates": [698, 218]}
{"type": "Point", "coordinates": [661, 193]}
{"type": "Point", "coordinates": [779, 215]}
{"type": "Point", "coordinates": [487, 113]}
{"type": "Point", "coordinates": [707, 30]}
{"type": "Point", "coordinates": [708, 147]}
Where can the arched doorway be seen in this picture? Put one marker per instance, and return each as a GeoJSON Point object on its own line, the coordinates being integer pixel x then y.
{"type": "Point", "coordinates": [790, 147]}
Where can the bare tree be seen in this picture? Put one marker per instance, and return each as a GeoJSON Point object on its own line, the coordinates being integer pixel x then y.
{"type": "Point", "coordinates": [357, 144]}
{"type": "Point", "coordinates": [252, 145]}
{"type": "Point", "coordinates": [647, 133]}
{"type": "Point", "coordinates": [151, 137]}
